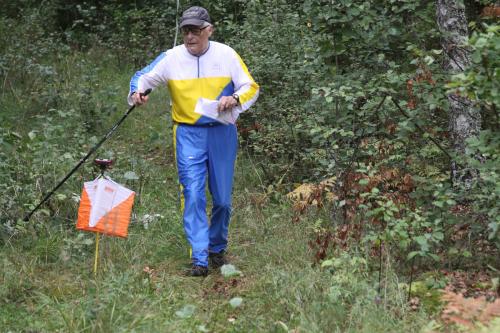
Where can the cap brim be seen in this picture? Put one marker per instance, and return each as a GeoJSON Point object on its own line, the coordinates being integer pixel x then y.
{"type": "Point", "coordinates": [193, 21]}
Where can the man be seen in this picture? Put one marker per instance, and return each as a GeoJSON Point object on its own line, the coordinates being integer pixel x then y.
{"type": "Point", "coordinates": [201, 69]}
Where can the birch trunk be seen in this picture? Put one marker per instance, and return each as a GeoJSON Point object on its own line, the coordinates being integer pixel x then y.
{"type": "Point", "coordinates": [464, 118]}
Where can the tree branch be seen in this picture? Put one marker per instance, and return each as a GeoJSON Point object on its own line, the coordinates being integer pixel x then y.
{"type": "Point", "coordinates": [423, 131]}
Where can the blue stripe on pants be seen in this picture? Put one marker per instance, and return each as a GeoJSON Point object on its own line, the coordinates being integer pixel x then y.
{"type": "Point", "coordinates": [201, 150]}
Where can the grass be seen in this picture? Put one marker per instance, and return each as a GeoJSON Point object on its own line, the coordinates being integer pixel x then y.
{"type": "Point", "coordinates": [47, 283]}
{"type": "Point", "coordinates": [46, 292]}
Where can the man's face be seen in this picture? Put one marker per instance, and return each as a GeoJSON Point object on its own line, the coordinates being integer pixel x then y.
{"type": "Point", "coordinates": [196, 38]}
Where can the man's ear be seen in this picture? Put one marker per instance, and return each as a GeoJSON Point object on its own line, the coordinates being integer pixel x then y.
{"type": "Point", "coordinates": [210, 30]}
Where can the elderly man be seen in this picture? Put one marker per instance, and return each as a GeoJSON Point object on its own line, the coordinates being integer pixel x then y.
{"type": "Point", "coordinates": [203, 145]}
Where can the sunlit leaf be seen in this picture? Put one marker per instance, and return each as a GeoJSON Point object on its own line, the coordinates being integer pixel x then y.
{"type": "Point", "coordinates": [186, 312]}
{"type": "Point", "coordinates": [236, 302]}
{"type": "Point", "coordinates": [130, 175]}
{"type": "Point", "coordinates": [229, 270]}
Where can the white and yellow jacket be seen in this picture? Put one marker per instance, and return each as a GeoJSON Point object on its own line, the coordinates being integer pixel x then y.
{"type": "Point", "coordinates": [217, 72]}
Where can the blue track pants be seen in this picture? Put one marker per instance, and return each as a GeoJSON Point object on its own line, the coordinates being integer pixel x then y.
{"type": "Point", "coordinates": [202, 150]}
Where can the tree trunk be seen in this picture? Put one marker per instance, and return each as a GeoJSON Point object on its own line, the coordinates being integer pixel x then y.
{"type": "Point", "coordinates": [464, 118]}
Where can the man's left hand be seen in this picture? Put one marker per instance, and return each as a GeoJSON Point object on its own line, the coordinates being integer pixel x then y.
{"type": "Point", "coordinates": [226, 103]}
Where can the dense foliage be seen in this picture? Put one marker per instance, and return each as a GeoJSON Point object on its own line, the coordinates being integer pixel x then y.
{"type": "Point", "coordinates": [355, 90]}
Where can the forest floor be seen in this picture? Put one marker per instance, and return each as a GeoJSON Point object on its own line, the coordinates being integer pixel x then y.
{"type": "Point", "coordinates": [47, 281]}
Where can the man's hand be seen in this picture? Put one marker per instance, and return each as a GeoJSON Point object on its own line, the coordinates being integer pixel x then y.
{"type": "Point", "coordinates": [139, 99]}
{"type": "Point", "coordinates": [226, 103]}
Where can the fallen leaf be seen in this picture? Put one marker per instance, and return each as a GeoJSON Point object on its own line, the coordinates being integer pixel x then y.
{"type": "Point", "coordinates": [236, 302]}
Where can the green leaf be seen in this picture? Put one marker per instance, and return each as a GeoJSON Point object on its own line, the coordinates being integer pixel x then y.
{"type": "Point", "coordinates": [438, 235]}
{"type": "Point", "coordinates": [438, 203]}
{"type": "Point", "coordinates": [433, 256]}
{"type": "Point", "coordinates": [236, 302]}
{"type": "Point", "coordinates": [364, 181]}
{"type": "Point", "coordinates": [422, 241]}
{"type": "Point", "coordinates": [327, 263]}
{"type": "Point", "coordinates": [428, 60]}
{"type": "Point", "coordinates": [17, 135]}
{"type": "Point", "coordinates": [88, 241]}
{"type": "Point", "coordinates": [202, 328]}
{"type": "Point", "coordinates": [130, 175]}
{"type": "Point", "coordinates": [61, 196]}
{"type": "Point", "coordinates": [186, 312]}
{"type": "Point", "coordinates": [230, 271]}
{"type": "Point", "coordinates": [412, 254]}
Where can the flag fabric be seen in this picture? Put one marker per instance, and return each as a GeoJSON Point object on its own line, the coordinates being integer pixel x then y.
{"type": "Point", "coordinates": [105, 207]}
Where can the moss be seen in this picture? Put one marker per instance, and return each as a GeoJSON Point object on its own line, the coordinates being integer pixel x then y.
{"type": "Point", "coordinates": [430, 298]}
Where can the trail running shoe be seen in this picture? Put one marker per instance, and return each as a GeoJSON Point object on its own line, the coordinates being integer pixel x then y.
{"type": "Point", "coordinates": [217, 259]}
{"type": "Point", "coordinates": [198, 271]}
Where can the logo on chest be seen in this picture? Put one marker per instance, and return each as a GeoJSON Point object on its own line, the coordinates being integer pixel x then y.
{"type": "Point", "coordinates": [216, 68]}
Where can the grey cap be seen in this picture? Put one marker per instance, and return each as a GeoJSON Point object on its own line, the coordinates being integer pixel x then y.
{"type": "Point", "coordinates": [197, 16]}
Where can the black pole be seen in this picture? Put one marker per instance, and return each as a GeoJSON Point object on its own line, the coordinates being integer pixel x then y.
{"type": "Point", "coordinates": [48, 195]}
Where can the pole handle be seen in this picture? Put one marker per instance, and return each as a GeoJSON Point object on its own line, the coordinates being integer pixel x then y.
{"type": "Point", "coordinates": [146, 92]}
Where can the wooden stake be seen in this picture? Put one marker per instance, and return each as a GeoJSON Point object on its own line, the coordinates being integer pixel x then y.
{"type": "Point", "coordinates": [96, 253]}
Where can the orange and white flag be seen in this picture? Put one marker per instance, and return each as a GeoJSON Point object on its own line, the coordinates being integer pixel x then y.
{"type": "Point", "coordinates": [105, 207]}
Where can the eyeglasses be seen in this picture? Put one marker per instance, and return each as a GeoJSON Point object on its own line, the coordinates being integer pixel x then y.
{"type": "Point", "coordinates": [194, 30]}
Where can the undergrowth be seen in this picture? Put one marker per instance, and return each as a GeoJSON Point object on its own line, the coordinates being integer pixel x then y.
{"type": "Point", "coordinates": [370, 127]}
{"type": "Point", "coordinates": [47, 283]}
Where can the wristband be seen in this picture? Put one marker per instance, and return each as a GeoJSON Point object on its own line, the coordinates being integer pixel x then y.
{"type": "Point", "coordinates": [237, 98]}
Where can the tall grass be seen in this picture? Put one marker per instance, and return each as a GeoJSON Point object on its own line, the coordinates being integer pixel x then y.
{"type": "Point", "coordinates": [46, 281]}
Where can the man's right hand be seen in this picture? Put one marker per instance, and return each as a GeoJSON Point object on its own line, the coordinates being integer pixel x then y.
{"type": "Point", "coordinates": [139, 99]}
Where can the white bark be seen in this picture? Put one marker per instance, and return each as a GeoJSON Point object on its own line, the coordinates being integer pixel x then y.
{"type": "Point", "coordinates": [464, 118]}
